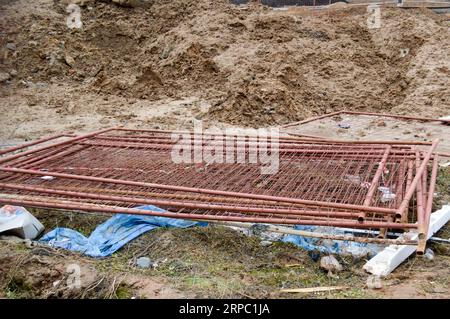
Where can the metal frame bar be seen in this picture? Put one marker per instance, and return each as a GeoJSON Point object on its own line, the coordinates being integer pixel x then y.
{"type": "Point", "coordinates": [404, 117]}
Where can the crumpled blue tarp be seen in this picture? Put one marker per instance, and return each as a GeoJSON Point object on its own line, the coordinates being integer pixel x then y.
{"type": "Point", "coordinates": [114, 233]}
{"type": "Point", "coordinates": [328, 246]}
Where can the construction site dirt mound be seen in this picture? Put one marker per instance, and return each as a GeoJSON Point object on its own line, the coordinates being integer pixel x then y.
{"type": "Point", "coordinates": [253, 65]}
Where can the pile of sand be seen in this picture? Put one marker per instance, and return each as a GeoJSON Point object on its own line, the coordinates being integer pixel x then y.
{"type": "Point", "coordinates": [254, 65]}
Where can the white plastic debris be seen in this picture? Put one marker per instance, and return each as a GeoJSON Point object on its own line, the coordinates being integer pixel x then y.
{"type": "Point", "coordinates": [47, 177]}
{"type": "Point", "coordinates": [16, 220]}
{"type": "Point", "coordinates": [387, 194]}
{"type": "Point", "coordinates": [344, 125]}
{"type": "Point", "coordinates": [144, 262]}
{"type": "Point", "coordinates": [392, 256]}
{"type": "Point", "coordinates": [429, 254]}
{"type": "Point", "coordinates": [404, 52]}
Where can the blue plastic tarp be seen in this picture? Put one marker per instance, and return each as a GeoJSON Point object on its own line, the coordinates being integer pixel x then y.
{"type": "Point", "coordinates": [113, 233]}
{"type": "Point", "coordinates": [328, 246]}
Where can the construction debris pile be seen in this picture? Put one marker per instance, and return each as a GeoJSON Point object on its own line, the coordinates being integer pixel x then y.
{"type": "Point", "coordinates": [372, 184]}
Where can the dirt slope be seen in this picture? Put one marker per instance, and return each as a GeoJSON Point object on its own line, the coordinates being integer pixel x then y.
{"type": "Point", "coordinates": [253, 65]}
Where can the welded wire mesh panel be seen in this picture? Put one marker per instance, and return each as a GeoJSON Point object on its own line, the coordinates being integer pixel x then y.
{"type": "Point", "coordinates": [363, 185]}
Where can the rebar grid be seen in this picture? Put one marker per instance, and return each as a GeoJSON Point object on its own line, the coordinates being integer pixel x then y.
{"type": "Point", "coordinates": [359, 185]}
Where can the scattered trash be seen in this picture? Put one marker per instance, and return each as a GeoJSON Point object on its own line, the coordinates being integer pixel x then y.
{"type": "Point", "coordinates": [388, 195]}
{"type": "Point", "coordinates": [344, 125]}
{"type": "Point", "coordinates": [314, 289]}
{"type": "Point", "coordinates": [29, 243]}
{"type": "Point", "coordinates": [429, 254]}
{"type": "Point", "coordinates": [113, 234]}
{"type": "Point", "coordinates": [144, 262]}
{"type": "Point", "coordinates": [16, 220]}
{"type": "Point", "coordinates": [328, 246]}
{"type": "Point", "coordinates": [404, 52]}
{"type": "Point", "coordinates": [354, 179]}
{"type": "Point", "coordinates": [263, 232]}
{"type": "Point", "coordinates": [73, 21]}
{"type": "Point", "coordinates": [374, 282]}
{"type": "Point", "coordinates": [330, 264]}
{"type": "Point", "coordinates": [47, 177]}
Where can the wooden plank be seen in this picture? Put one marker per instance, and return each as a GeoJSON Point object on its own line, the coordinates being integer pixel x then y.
{"type": "Point", "coordinates": [313, 289]}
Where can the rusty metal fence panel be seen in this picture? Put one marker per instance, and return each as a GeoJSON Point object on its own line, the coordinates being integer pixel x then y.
{"type": "Point", "coordinates": [328, 183]}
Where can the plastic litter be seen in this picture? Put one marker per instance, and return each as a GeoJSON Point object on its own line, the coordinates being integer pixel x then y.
{"type": "Point", "coordinates": [344, 125]}
{"type": "Point", "coordinates": [429, 254]}
{"type": "Point", "coordinates": [113, 234]}
{"type": "Point", "coordinates": [16, 220]}
{"type": "Point", "coordinates": [387, 194]}
{"type": "Point", "coordinates": [329, 246]}
{"type": "Point", "coordinates": [143, 262]}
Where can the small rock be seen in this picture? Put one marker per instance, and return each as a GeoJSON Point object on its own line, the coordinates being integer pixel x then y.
{"type": "Point", "coordinates": [143, 262]}
{"type": "Point", "coordinates": [429, 254]}
{"type": "Point", "coordinates": [330, 264]}
{"type": "Point", "coordinates": [28, 243]}
{"type": "Point", "coordinates": [13, 72]}
{"type": "Point", "coordinates": [11, 46]}
{"type": "Point", "coordinates": [374, 282]}
{"type": "Point", "coordinates": [69, 60]}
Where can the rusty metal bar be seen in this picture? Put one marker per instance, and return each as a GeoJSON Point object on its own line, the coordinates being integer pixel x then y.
{"type": "Point", "coordinates": [179, 204]}
{"type": "Point", "coordinates": [424, 228]}
{"type": "Point", "coordinates": [404, 117]}
{"type": "Point", "coordinates": [415, 181]}
{"type": "Point", "coordinates": [419, 199]}
{"type": "Point", "coordinates": [74, 139]}
{"type": "Point", "coordinates": [311, 119]}
{"type": "Point", "coordinates": [122, 210]}
{"type": "Point", "coordinates": [326, 140]}
{"type": "Point", "coordinates": [32, 143]}
{"type": "Point", "coordinates": [379, 210]}
{"type": "Point", "coordinates": [375, 181]}
{"type": "Point", "coordinates": [403, 215]}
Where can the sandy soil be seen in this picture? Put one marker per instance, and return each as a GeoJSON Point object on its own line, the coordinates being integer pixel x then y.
{"type": "Point", "coordinates": [362, 127]}
{"type": "Point", "coordinates": [245, 66]}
